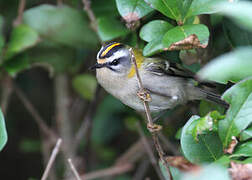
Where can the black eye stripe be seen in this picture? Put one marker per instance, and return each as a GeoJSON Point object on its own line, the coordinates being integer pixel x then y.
{"type": "Point", "coordinates": [115, 62]}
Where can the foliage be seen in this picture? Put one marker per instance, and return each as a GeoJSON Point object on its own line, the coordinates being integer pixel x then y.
{"type": "Point", "coordinates": [210, 37]}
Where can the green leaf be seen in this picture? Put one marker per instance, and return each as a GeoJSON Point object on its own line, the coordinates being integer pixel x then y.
{"type": "Point", "coordinates": [104, 8]}
{"type": "Point", "coordinates": [153, 33]}
{"type": "Point", "coordinates": [208, 148]}
{"type": "Point", "coordinates": [3, 132]}
{"type": "Point", "coordinates": [169, 8]}
{"type": "Point", "coordinates": [246, 134]}
{"type": "Point", "coordinates": [239, 114]}
{"type": "Point", "coordinates": [17, 64]}
{"type": "Point", "coordinates": [22, 38]}
{"type": "Point", "coordinates": [109, 28]}
{"type": "Point", "coordinates": [206, 124]}
{"type": "Point", "coordinates": [133, 10]}
{"type": "Point", "coordinates": [231, 30]}
{"type": "Point", "coordinates": [61, 24]}
{"type": "Point", "coordinates": [240, 12]}
{"type": "Point", "coordinates": [176, 173]}
{"type": "Point", "coordinates": [202, 7]}
{"type": "Point", "coordinates": [223, 161]}
{"type": "Point", "coordinates": [232, 66]}
{"type": "Point", "coordinates": [179, 33]}
{"type": "Point", "coordinates": [244, 149]}
{"type": "Point", "coordinates": [154, 29]}
{"type": "Point", "coordinates": [211, 172]}
{"type": "Point", "coordinates": [85, 85]}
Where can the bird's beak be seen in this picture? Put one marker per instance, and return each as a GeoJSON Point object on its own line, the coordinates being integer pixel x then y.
{"type": "Point", "coordinates": [97, 66]}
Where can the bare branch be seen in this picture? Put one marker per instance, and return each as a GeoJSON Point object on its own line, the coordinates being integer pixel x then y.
{"type": "Point", "coordinates": [21, 8]}
{"type": "Point", "coordinates": [149, 118]}
{"type": "Point", "coordinates": [76, 174]}
{"type": "Point", "coordinates": [90, 14]}
{"type": "Point", "coordinates": [52, 158]}
{"type": "Point", "coordinates": [149, 151]}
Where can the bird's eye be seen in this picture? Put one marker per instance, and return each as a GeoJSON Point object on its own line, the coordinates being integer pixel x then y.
{"type": "Point", "coordinates": [115, 62]}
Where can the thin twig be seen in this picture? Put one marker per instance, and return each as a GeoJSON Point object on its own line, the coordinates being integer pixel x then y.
{"type": "Point", "coordinates": [149, 151]}
{"type": "Point", "coordinates": [34, 113]}
{"type": "Point", "coordinates": [76, 174]}
{"type": "Point", "coordinates": [90, 14]}
{"type": "Point", "coordinates": [85, 127]}
{"type": "Point", "coordinates": [21, 8]}
{"type": "Point", "coordinates": [149, 118]}
{"type": "Point", "coordinates": [141, 169]}
{"type": "Point", "coordinates": [52, 158]}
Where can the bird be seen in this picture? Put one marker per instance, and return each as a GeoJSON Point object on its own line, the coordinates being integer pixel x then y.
{"type": "Point", "coordinates": [168, 84]}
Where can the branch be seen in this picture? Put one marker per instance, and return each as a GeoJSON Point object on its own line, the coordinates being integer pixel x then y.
{"type": "Point", "coordinates": [76, 174]}
{"type": "Point", "coordinates": [149, 118]}
{"type": "Point", "coordinates": [51, 160]}
{"type": "Point", "coordinates": [148, 149]}
{"type": "Point", "coordinates": [19, 18]}
{"type": "Point", "coordinates": [90, 14]}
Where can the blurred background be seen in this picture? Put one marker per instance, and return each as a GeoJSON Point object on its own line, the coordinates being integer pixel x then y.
{"type": "Point", "coordinates": [47, 91]}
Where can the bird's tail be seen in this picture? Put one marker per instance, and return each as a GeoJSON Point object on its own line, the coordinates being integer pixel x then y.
{"type": "Point", "coordinates": [214, 98]}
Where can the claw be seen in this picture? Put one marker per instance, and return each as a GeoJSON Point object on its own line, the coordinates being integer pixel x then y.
{"type": "Point", "coordinates": [144, 95]}
{"type": "Point", "coordinates": [154, 127]}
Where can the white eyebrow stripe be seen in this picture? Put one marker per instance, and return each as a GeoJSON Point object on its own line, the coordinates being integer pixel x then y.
{"type": "Point", "coordinates": [117, 55]}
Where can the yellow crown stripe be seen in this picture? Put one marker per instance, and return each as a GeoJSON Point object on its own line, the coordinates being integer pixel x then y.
{"type": "Point", "coordinates": [139, 60]}
{"type": "Point", "coordinates": [109, 48]}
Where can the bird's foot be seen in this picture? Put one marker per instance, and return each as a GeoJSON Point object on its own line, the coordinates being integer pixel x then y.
{"type": "Point", "coordinates": [144, 95]}
{"type": "Point", "coordinates": [154, 127]}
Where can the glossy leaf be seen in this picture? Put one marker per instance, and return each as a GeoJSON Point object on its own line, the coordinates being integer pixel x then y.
{"type": "Point", "coordinates": [85, 85]}
{"type": "Point", "coordinates": [109, 28]}
{"type": "Point", "coordinates": [246, 134]}
{"type": "Point", "coordinates": [3, 132]}
{"type": "Point", "coordinates": [169, 8]}
{"type": "Point", "coordinates": [61, 24]}
{"type": "Point", "coordinates": [231, 30]}
{"type": "Point", "coordinates": [104, 8]}
{"type": "Point", "coordinates": [154, 29]}
{"type": "Point", "coordinates": [22, 38]}
{"type": "Point", "coordinates": [206, 124]}
{"type": "Point", "coordinates": [244, 149]}
{"type": "Point", "coordinates": [176, 173]}
{"type": "Point", "coordinates": [239, 114]}
{"type": "Point", "coordinates": [133, 10]}
{"type": "Point", "coordinates": [180, 33]}
{"type": "Point", "coordinates": [232, 66]}
{"type": "Point", "coordinates": [240, 12]}
{"type": "Point", "coordinates": [17, 64]}
{"type": "Point", "coordinates": [208, 148]}
{"type": "Point", "coordinates": [153, 33]}
{"type": "Point", "coordinates": [202, 7]}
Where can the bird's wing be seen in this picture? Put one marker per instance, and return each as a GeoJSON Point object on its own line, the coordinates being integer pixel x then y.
{"type": "Point", "coordinates": [163, 67]}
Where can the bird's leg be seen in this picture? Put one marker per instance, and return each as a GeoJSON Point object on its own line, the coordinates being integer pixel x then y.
{"type": "Point", "coordinates": [145, 96]}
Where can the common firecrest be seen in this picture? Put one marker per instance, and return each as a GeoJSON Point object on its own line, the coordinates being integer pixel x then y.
{"type": "Point", "coordinates": [168, 84]}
